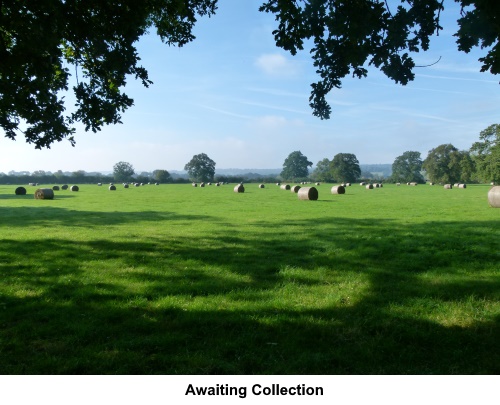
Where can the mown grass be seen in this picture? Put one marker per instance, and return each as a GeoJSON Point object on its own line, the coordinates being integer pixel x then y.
{"type": "Point", "coordinates": [174, 279]}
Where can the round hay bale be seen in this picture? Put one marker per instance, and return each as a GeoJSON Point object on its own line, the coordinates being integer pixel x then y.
{"type": "Point", "coordinates": [44, 194]}
{"type": "Point", "coordinates": [348, 184]}
{"type": "Point", "coordinates": [278, 184]}
{"type": "Point", "coordinates": [262, 186]}
{"type": "Point", "coordinates": [431, 183]}
{"type": "Point", "coordinates": [295, 189]}
{"type": "Point", "coordinates": [338, 190]}
{"type": "Point", "coordinates": [362, 183]}
{"type": "Point", "coordinates": [369, 186]}
{"type": "Point", "coordinates": [195, 185]}
{"type": "Point", "coordinates": [20, 191]}
{"type": "Point", "coordinates": [494, 197]}
{"type": "Point", "coordinates": [202, 184]}
{"type": "Point", "coordinates": [376, 185]}
{"type": "Point", "coordinates": [112, 187]}
{"type": "Point", "coordinates": [413, 183]}
{"type": "Point", "coordinates": [99, 184]}
{"type": "Point", "coordinates": [217, 184]}
{"type": "Point", "coordinates": [64, 187]}
{"type": "Point", "coordinates": [398, 184]}
{"type": "Point", "coordinates": [462, 186]}
{"type": "Point", "coordinates": [157, 184]}
{"type": "Point", "coordinates": [125, 186]}
{"type": "Point", "coordinates": [285, 187]}
{"type": "Point", "coordinates": [448, 186]}
{"type": "Point", "coordinates": [307, 193]}
{"type": "Point", "coordinates": [239, 188]}
{"type": "Point", "coordinates": [55, 188]}
{"type": "Point", "coordinates": [456, 185]}
{"type": "Point", "coordinates": [317, 183]}
{"type": "Point", "coordinates": [74, 188]}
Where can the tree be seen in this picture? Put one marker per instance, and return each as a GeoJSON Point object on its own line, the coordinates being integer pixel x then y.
{"type": "Point", "coordinates": [349, 36]}
{"type": "Point", "coordinates": [295, 166]}
{"type": "Point", "coordinates": [345, 167]}
{"type": "Point", "coordinates": [95, 42]}
{"type": "Point", "coordinates": [406, 168]}
{"type": "Point", "coordinates": [442, 164]}
{"type": "Point", "coordinates": [161, 176]}
{"type": "Point", "coordinates": [123, 171]}
{"type": "Point", "coordinates": [486, 154]}
{"type": "Point", "coordinates": [96, 39]}
{"type": "Point", "coordinates": [322, 171]}
{"type": "Point", "coordinates": [200, 168]}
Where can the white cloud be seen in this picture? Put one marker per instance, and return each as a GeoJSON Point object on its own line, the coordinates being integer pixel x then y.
{"type": "Point", "coordinates": [277, 65]}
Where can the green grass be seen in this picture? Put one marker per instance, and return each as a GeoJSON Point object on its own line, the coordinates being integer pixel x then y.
{"type": "Point", "coordinates": [174, 279]}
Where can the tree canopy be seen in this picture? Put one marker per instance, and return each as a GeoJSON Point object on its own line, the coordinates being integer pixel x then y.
{"type": "Point", "coordinates": [486, 153]}
{"type": "Point", "coordinates": [406, 168]}
{"type": "Point", "coordinates": [443, 164]}
{"type": "Point", "coordinates": [45, 42]}
{"type": "Point", "coordinates": [295, 166]}
{"type": "Point", "coordinates": [345, 167]}
{"type": "Point", "coordinates": [123, 171]}
{"type": "Point", "coordinates": [200, 168]}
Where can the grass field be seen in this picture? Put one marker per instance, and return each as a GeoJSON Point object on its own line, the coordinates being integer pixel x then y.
{"type": "Point", "coordinates": [173, 279]}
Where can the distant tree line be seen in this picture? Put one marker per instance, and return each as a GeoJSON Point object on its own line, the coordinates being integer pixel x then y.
{"type": "Point", "coordinates": [443, 164]}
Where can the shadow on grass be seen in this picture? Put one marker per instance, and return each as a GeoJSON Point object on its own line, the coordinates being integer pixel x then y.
{"type": "Point", "coordinates": [188, 305]}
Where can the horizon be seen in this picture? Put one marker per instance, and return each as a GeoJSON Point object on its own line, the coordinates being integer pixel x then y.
{"type": "Point", "coordinates": [235, 96]}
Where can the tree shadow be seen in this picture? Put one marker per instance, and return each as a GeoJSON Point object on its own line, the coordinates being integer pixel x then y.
{"type": "Point", "coordinates": [153, 315]}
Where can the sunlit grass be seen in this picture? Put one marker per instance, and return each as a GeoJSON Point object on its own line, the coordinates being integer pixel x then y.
{"type": "Point", "coordinates": [175, 279]}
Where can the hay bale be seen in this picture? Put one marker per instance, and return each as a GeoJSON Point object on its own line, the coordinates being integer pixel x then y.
{"type": "Point", "coordinates": [338, 190]}
{"type": "Point", "coordinates": [64, 187]}
{"type": "Point", "coordinates": [194, 185]}
{"type": "Point", "coordinates": [462, 186]}
{"type": "Point", "coordinates": [398, 184]}
{"type": "Point", "coordinates": [239, 188]}
{"type": "Point", "coordinates": [262, 186]}
{"type": "Point", "coordinates": [74, 188]}
{"type": "Point", "coordinates": [317, 183]}
{"type": "Point", "coordinates": [99, 184]}
{"type": "Point", "coordinates": [202, 184]}
{"type": "Point", "coordinates": [348, 184]}
{"type": "Point", "coordinates": [448, 186]}
{"type": "Point", "coordinates": [217, 184]}
{"type": "Point", "coordinates": [362, 183]}
{"type": "Point", "coordinates": [456, 185]}
{"type": "Point", "coordinates": [307, 193]}
{"type": "Point", "coordinates": [285, 186]}
{"type": "Point", "coordinates": [112, 187]}
{"type": "Point", "coordinates": [44, 194]}
{"type": "Point", "coordinates": [369, 186]}
{"type": "Point", "coordinates": [431, 183]}
{"type": "Point", "coordinates": [278, 184]}
{"type": "Point", "coordinates": [295, 189]}
{"type": "Point", "coordinates": [413, 183]}
{"type": "Point", "coordinates": [125, 185]}
{"type": "Point", "coordinates": [20, 191]}
{"type": "Point", "coordinates": [55, 188]}
{"type": "Point", "coordinates": [494, 197]}
{"type": "Point", "coordinates": [376, 185]}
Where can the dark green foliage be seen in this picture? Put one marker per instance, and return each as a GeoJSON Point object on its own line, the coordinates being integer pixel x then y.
{"type": "Point", "coordinates": [200, 168]}
{"type": "Point", "coordinates": [406, 168]}
{"type": "Point", "coordinates": [442, 164]}
{"type": "Point", "coordinates": [349, 36]}
{"type": "Point", "coordinates": [44, 42]}
{"type": "Point", "coordinates": [345, 167]}
{"type": "Point", "coordinates": [322, 171]}
{"type": "Point", "coordinates": [295, 166]}
{"type": "Point", "coordinates": [486, 154]}
{"type": "Point", "coordinates": [123, 171]}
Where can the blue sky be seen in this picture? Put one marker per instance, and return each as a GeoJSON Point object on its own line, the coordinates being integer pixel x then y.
{"type": "Point", "coordinates": [235, 96]}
